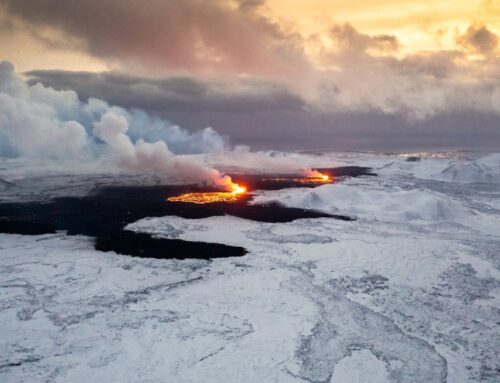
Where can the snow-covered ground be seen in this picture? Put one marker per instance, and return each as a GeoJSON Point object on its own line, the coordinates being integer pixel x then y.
{"type": "Point", "coordinates": [409, 292]}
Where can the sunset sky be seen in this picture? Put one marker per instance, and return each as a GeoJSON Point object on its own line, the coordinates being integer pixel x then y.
{"type": "Point", "coordinates": [278, 73]}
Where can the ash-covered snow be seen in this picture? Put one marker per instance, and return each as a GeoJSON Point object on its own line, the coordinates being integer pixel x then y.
{"type": "Point", "coordinates": [409, 292]}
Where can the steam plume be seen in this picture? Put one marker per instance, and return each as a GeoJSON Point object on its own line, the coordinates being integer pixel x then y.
{"type": "Point", "coordinates": [155, 157]}
{"type": "Point", "coordinates": [42, 123]}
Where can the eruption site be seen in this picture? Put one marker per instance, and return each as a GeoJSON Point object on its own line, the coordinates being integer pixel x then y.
{"type": "Point", "coordinates": [311, 177]}
{"type": "Point", "coordinates": [234, 193]}
{"type": "Point", "coordinates": [314, 177]}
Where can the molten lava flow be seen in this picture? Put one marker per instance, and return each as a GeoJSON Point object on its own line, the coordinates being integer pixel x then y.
{"type": "Point", "coordinates": [236, 191]}
{"type": "Point", "coordinates": [314, 177]}
{"type": "Point", "coordinates": [311, 177]}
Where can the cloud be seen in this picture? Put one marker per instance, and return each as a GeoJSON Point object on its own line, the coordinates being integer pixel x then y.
{"type": "Point", "coordinates": [227, 64]}
{"type": "Point", "coordinates": [191, 94]}
{"type": "Point", "coordinates": [347, 38]}
{"type": "Point", "coordinates": [250, 5]}
{"type": "Point", "coordinates": [479, 39]}
{"type": "Point", "coordinates": [415, 86]}
{"type": "Point", "coordinates": [229, 57]}
{"type": "Point", "coordinates": [357, 101]}
{"type": "Point", "coordinates": [200, 36]}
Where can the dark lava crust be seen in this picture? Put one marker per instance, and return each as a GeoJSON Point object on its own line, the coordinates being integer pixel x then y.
{"type": "Point", "coordinates": [104, 213]}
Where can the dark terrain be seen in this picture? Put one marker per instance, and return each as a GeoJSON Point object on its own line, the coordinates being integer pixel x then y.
{"type": "Point", "coordinates": [104, 213]}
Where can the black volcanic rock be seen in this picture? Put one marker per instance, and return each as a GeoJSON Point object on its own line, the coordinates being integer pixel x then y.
{"type": "Point", "coordinates": [104, 213]}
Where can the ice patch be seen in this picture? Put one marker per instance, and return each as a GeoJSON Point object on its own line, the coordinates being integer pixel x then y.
{"type": "Point", "coordinates": [360, 367]}
{"type": "Point", "coordinates": [227, 229]}
{"type": "Point", "coordinates": [267, 235]}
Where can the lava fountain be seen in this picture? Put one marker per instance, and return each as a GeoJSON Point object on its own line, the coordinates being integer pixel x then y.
{"type": "Point", "coordinates": [234, 193]}
{"type": "Point", "coordinates": [313, 176]}
{"type": "Point", "coordinates": [310, 177]}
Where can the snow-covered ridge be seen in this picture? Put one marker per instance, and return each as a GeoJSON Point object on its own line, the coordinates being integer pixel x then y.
{"type": "Point", "coordinates": [485, 169]}
{"type": "Point", "coordinates": [475, 171]}
{"type": "Point", "coordinates": [363, 202]}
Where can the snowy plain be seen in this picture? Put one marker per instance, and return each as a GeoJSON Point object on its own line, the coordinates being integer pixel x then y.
{"type": "Point", "coordinates": [408, 292]}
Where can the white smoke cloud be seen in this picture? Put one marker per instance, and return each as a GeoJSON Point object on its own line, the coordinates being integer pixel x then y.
{"type": "Point", "coordinates": [42, 123]}
{"type": "Point", "coordinates": [154, 157]}
{"type": "Point", "coordinates": [32, 130]}
{"type": "Point", "coordinates": [242, 159]}
{"type": "Point", "coordinates": [38, 121]}
{"type": "Point", "coordinates": [30, 127]}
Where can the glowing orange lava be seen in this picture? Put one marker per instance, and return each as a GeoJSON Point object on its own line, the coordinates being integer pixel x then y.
{"type": "Point", "coordinates": [312, 177]}
{"type": "Point", "coordinates": [237, 189]}
{"type": "Point", "coordinates": [210, 197]}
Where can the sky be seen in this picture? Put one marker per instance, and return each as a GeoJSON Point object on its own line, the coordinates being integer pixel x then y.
{"type": "Point", "coordinates": [276, 74]}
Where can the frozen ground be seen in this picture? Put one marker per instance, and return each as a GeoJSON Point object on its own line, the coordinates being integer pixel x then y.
{"type": "Point", "coordinates": [410, 292]}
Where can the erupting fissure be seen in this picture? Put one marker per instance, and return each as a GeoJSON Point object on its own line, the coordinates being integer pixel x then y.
{"type": "Point", "coordinates": [311, 177]}
{"type": "Point", "coordinates": [234, 194]}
